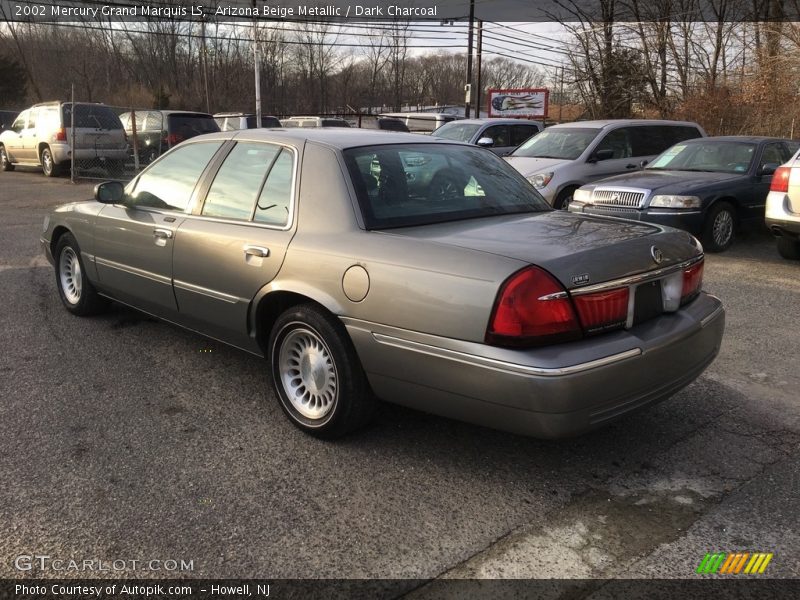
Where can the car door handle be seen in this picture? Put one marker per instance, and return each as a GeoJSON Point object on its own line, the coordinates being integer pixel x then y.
{"type": "Point", "coordinates": [631, 166]}
{"type": "Point", "coordinates": [259, 251]}
{"type": "Point", "coordinates": [162, 234]}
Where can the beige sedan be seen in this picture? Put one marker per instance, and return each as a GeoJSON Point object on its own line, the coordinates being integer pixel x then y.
{"type": "Point", "coordinates": [369, 265]}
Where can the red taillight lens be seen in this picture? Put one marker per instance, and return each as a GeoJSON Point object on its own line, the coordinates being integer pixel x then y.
{"type": "Point", "coordinates": [174, 138]}
{"type": "Point", "coordinates": [526, 314]}
{"type": "Point", "coordinates": [692, 282]}
{"type": "Point", "coordinates": [604, 310]}
{"type": "Point", "coordinates": [61, 135]}
{"type": "Point", "coordinates": [780, 180]}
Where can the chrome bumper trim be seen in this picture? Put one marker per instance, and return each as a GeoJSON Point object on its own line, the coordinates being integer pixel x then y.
{"type": "Point", "coordinates": [501, 365]}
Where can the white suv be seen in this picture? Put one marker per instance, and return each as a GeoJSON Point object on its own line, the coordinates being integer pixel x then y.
{"type": "Point", "coordinates": [783, 208]}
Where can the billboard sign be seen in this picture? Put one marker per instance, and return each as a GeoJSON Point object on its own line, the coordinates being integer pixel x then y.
{"type": "Point", "coordinates": [523, 103]}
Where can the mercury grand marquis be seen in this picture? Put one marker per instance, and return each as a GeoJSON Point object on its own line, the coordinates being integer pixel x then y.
{"type": "Point", "coordinates": [467, 296]}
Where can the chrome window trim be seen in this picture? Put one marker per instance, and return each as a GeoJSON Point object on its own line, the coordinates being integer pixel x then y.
{"type": "Point", "coordinates": [501, 365]}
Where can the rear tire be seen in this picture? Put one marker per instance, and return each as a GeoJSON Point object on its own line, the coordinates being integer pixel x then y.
{"type": "Point", "coordinates": [789, 248]}
{"type": "Point", "coordinates": [719, 229]}
{"type": "Point", "coordinates": [74, 288]}
{"type": "Point", "coordinates": [49, 166]}
{"type": "Point", "coordinates": [5, 162]}
{"type": "Point", "coordinates": [316, 373]}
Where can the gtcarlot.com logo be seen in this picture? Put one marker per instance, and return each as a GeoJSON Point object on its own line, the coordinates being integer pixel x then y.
{"type": "Point", "coordinates": [31, 562]}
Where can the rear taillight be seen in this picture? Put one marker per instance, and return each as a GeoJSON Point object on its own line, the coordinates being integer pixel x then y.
{"type": "Point", "coordinates": [532, 308]}
{"type": "Point", "coordinates": [604, 310]}
{"type": "Point", "coordinates": [60, 136]}
{"type": "Point", "coordinates": [174, 138]}
{"type": "Point", "coordinates": [692, 282]}
{"type": "Point", "coordinates": [780, 180]}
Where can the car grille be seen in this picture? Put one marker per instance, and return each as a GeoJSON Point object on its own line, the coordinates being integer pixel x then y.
{"type": "Point", "coordinates": [621, 198]}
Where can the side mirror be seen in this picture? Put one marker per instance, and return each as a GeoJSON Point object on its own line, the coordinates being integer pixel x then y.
{"type": "Point", "coordinates": [768, 168]}
{"type": "Point", "coordinates": [604, 154]}
{"type": "Point", "coordinates": [109, 192]}
{"type": "Point", "coordinates": [485, 142]}
{"type": "Point", "coordinates": [643, 164]}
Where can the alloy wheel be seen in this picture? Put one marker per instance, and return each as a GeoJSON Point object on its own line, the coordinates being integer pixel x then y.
{"type": "Point", "coordinates": [308, 373]}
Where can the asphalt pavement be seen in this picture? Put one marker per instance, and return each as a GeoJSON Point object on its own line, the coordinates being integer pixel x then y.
{"type": "Point", "coordinates": [124, 438]}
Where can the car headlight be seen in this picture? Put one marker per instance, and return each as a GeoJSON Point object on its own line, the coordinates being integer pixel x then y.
{"type": "Point", "coordinates": [540, 180]}
{"type": "Point", "coordinates": [582, 195]}
{"type": "Point", "coordinates": [675, 202]}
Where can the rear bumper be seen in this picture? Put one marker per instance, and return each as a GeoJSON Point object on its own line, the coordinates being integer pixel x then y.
{"type": "Point", "coordinates": [62, 153]}
{"type": "Point", "coordinates": [779, 216]}
{"type": "Point", "coordinates": [551, 392]}
{"type": "Point", "coordinates": [688, 220]}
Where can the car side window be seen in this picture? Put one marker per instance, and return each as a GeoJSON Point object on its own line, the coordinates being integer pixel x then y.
{"type": "Point", "coordinates": [500, 135]}
{"type": "Point", "coordinates": [168, 184]}
{"type": "Point", "coordinates": [32, 118]}
{"type": "Point", "coordinates": [520, 133]}
{"type": "Point", "coordinates": [650, 140]}
{"type": "Point", "coordinates": [773, 153]}
{"type": "Point", "coordinates": [239, 180]}
{"type": "Point", "coordinates": [274, 203]}
{"type": "Point", "coordinates": [154, 122]}
{"type": "Point", "coordinates": [618, 141]}
{"type": "Point", "coordinates": [19, 122]}
{"type": "Point", "coordinates": [789, 149]}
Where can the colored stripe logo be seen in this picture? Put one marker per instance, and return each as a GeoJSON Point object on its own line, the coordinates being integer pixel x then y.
{"type": "Point", "coordinates": [735, 563]}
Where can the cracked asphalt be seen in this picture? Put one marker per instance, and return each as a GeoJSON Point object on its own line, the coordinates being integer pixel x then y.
{"type": "Point", "coordinates": [125, 438]}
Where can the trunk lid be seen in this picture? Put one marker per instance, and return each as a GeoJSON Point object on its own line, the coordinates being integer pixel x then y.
{"type": "Point", "coordinates": [577, 249]}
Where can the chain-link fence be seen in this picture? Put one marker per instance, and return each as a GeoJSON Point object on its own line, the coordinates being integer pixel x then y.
{"type": "Point", "coordinates": [114, 142]}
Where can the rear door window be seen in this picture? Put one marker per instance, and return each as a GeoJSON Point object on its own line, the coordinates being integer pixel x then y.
{"type": "Point", "coordinates": [239, 181]}
{"type": "Point", "coordinates": [500, 134]}
{"type": "Point", "coordinates": [274, 202]}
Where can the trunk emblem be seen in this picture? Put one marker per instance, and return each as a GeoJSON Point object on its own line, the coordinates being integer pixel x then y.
{"type": "Point", "coordinates": [582, 279]}
{"type": "Point", "coordinates": [657, 255]}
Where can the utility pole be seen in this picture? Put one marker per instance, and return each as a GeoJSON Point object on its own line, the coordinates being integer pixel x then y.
{"type": "Point", "coordinates": [257, 63]}
{"type": "Point", "coordinates": [561, 95]}
{"type": "Point", "coordinates": [204, 57]}
{"type": "Point", "coordinates": [469, 59]}
{"type": "Point", "coordinates": [478, 87]}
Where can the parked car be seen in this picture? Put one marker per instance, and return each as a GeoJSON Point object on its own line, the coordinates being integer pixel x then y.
{"type": "Point", "coordinates": [783, 208]}
{"type": "Point", "coordinates": [385, 123]}
{"type": "Point", "coordinates": [232, 121]}
{"type": "Point", "coordinates": [159, 130]}
{"type": "Point", "coordinates": [485, 305]}
{"type": "Point", "coordinates": [314, 122]}
{"type": "Point", "coordinates": [6, 119]}
{"type": "Point", "coordinates": [564, 157]}
{"type": "Point", "coordinates": [422, 122]}
{"type": "Point", "coordinates": [501, 136]}
{"type": "Point", "coordinates": [41, 136]}
{"type": "Point", "coordinates": [707, 186]}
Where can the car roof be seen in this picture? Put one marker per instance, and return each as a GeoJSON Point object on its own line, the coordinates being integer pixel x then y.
{"type": "Point", "coordinates": [334, 137]}
{"type": "Point", "coordinates": [755, 139]}
{"type": "Point", "coordinates": [601, 124]}
{"type": "Point", "coordinates": [494, 121]}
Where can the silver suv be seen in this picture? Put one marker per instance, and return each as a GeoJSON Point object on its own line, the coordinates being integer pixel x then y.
{"type": "Point", "coordinates": [41, 136]}
{"type": "Point", "coordinates": [783, 208]}
{"type": "Point", "coordinates": [564, 157]}
{"type": "Point", "coordinates": [501, 136]}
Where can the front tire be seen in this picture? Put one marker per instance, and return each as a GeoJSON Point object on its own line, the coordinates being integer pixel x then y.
{"type": "Point", "coordinates": [563, 199]}
{"type": "Point", "coordinates": [316, 373]}
{"type": "Point", "coordinates": [719, 229]}
{"type": "Point", "coordinates": [789, 248]}
{"type": "Point", "coordinates": [5, 162]}
{"type": "Point", "coordinates": [49, 166]}
{"type": "Point", "coordinates": [76, 292]}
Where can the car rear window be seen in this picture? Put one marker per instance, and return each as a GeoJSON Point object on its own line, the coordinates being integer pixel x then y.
{"type": "Point", "coordinates": [188, 126]}
{"type": "Point", "coordinates": [401, 185]}
{"type": "Point", "coordinates": [91, 116]}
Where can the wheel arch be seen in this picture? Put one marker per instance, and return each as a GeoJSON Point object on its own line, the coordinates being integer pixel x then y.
{"type": "Point", "coordinates": [274, 299]}
{"type": "Point", "coordinates": [58, 232]}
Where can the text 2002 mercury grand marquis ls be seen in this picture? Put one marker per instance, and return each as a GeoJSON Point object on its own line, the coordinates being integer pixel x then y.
{"type": "Point", "coordinates": [369, 265]}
